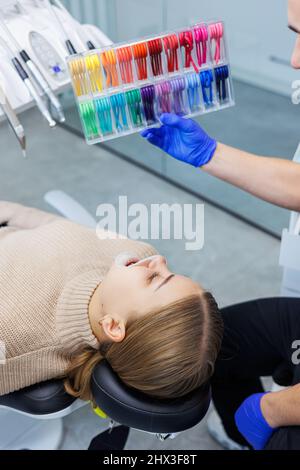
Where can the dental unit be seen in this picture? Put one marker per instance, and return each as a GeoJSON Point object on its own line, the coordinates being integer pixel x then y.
{"type": "Point", "coordinates": [37, 74]}
{"type": "Point", "coordinates": [88, 41]}
{"type": "Point", "coordinates": [68, 43]}
{"type": "Point", "coordinates": [13, 120]}
{"type": "Point", "coordinates": [28, 83]}
{"type": "Point", "coordinates": [35, 37]}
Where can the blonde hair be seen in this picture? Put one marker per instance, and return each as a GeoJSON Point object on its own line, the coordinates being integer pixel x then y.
{"type": "Point", "coordinates": [165, 354]}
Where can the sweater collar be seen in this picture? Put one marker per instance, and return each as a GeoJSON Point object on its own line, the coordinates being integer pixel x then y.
{"type": "Point", "coordinates": [72, 319]}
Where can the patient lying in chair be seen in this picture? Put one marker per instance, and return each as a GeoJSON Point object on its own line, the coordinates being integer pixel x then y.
{"type": "Point", "coordinates": [69, 299]}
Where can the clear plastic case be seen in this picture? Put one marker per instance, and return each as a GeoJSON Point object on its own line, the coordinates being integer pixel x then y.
{"type": "Point", "coordinates": [124, 88]}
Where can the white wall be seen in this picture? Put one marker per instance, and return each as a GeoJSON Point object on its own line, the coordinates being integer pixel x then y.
{"type": "Point", "coordinates": [136, 18]}
{"type": "Point", "coordinates": [259, 42]}
{"type": "Point", "coordinates": [90, 11]}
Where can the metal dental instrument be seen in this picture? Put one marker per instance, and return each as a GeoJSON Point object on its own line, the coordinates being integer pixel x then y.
{"type": "Point", "coordinates": [13, 120]}
{"type": "Point", "coordinates": [68, 43]}
{"type": "Point", "coordinates": [27, 82]}
{"type": "Point", "coordinates": [36, 72]}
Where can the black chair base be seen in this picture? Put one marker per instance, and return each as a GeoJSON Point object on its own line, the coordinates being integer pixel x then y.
{"type": "Point", "coordinates": [113, 439]}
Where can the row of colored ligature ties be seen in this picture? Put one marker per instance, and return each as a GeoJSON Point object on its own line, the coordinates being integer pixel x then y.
{"type": "Point", "coordinates": [140, 107]}
{"type": "Point", "coordinates": [195, 48]}
{"type": "Point", "coordinates": [122, 89]}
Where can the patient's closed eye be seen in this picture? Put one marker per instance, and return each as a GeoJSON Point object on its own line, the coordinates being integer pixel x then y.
{"type": "Point", "coordinates": [152, 276]}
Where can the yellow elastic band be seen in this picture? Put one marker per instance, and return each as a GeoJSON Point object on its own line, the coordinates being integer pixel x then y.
{"type": "Point", "coordinates": [100, 413]}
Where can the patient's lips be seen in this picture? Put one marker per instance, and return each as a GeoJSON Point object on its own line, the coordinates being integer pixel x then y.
{"type": "Point", "coordinates": [132, 262]}
{"type": "Point", "coordinates": [126, 259]}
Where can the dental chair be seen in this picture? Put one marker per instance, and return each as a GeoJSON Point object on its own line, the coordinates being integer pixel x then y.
{"type": "Point", "coordinates": [32, 418]}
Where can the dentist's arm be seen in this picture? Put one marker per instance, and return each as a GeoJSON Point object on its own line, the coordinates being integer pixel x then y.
{"type": "Point", "coordinates": [261, 414]}
{"type": "Point", "coordinates": [274, 180]}
{"type": "Point", "coordinates": [282, 408]}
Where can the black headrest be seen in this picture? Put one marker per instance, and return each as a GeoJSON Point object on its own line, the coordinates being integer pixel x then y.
{"type": "Point", "coordinates": [138, 410]}
{"type": "Point", "coordinates": [40, 399]}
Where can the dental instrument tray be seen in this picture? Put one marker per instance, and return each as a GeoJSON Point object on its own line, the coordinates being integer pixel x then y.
{"type": "Point", "coordinates": [124, 88]}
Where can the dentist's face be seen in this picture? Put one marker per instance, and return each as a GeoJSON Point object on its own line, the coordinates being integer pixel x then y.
{"type": "Point", "coordinates": [294, 25]}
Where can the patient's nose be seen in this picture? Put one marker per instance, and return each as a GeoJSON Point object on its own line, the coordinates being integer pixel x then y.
{"type": "Point", "coordinates": [295, 60]}
{"type": "Point", "coordinates": [158, 263]}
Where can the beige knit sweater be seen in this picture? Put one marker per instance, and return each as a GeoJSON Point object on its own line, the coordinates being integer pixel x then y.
{"type": "Point", "coordinates": [50, 268]}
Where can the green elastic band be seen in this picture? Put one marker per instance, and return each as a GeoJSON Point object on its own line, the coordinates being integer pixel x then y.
{"type": "Point", "coordinates": [134, 101]}
{"type": "Point", "coordinates": [87, 112]}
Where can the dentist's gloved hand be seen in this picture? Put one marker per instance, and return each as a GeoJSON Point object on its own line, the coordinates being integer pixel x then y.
{"type": "Point", "coordinates": [183, 139]}
{"type": "Point", "coordinates": [251, 422]}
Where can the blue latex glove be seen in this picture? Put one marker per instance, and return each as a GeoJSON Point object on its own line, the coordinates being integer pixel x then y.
{"type": "Point", "coordinates": [251, 422]}
{"type": "Point", "coordinates": [183, 139]}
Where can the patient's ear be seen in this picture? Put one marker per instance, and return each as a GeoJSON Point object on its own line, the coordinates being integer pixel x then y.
{"type": "Point", "coordinates": [113, 328]}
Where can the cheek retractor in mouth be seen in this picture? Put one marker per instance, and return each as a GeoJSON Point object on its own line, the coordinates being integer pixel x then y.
{"type": "Point", "coordinates": [126, 259]}
{"type": "Point", "coordinates": [145, 260]}
{"type": "Point", "coordinates": [130, 259]}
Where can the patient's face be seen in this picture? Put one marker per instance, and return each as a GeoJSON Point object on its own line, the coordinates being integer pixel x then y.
{"type": "Point", "coordinates": [294, 23]}
{"type": "Point", "coordinates": [133, 287]}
